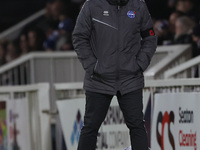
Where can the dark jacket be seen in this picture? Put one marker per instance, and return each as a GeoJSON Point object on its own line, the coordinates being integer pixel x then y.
{"type": "Point", "coordinates": [114, 43]}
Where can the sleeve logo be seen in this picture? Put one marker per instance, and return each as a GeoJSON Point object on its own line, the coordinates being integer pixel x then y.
{"type": "Point", "coordinates": [131, 14]}
{"type": "Point", "coordinates": [151, 32]}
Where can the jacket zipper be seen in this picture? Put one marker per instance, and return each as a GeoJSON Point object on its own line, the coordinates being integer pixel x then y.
{"type": "Point", "coordinates": [118, 40]}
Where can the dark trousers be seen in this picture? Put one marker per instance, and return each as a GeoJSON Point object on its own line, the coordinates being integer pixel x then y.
{"type": "Point", "coordinates": [95, 112]}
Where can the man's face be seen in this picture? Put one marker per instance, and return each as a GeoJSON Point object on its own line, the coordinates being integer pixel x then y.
{"type": "Point", "coordinates": [188, 5]}
{"type": "Point", "coordinates": [2, 52]}
{"type": "Point", "coordinates": [180, 6]}
{"type": "Point", "coordinates": [23, 42]}
{"type": "Point", "coordinates": [195, 38]}
{"type": "Point", "coordinates": [32, 38]}
{"type": "Point", "coordinates": [184, 6]}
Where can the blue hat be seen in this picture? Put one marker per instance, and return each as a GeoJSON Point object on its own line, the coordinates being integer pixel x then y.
{"type": "Point", "coordinates": [67, 25]}
{"type": "Point", "coordinates": [51, 41]}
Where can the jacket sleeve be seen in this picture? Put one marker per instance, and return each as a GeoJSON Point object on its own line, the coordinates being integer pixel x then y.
{"type": "Point", "coordinates": [81, 39]}
{"type": "Point", "coordinates": [149, 40]}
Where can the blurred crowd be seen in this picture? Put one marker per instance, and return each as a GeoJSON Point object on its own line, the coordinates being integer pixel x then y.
{"type": "Point", "coordinates": [175, 22]}
{"type": "Point", "coordinates": [51, 32]}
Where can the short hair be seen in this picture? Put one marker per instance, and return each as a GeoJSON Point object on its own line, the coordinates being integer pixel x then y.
{"type": "Point", "coordinates": [187, 24]}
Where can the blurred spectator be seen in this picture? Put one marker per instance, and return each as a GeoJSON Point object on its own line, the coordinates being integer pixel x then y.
{"type": "Point", "coordinates": [189, 8]}
{"type": "Point", "coordinates": [162, 31]}
{"type": "Point", "coordinates": [183, 30]}
{"type": "Point", "coordinates": [50, 42]}
{"type": "Point", "coordinates": [23, 44]}
{"type": "Point", "coordinates": [12, 52]}
{"type": "Point", "coordinates": [196, 35]}
{"type": "Point", "coordinates": [196, 39]}
{"type": "Point", "coordinates": [65, 33]}
{"type": "Point", "coordinates": [65, 28]}
{"type": "Point", "coordinates": [66, 23]}
{"type": "Point", "coordinates": [180, 6]}
{"type": "Point", "coordinates": [60, 39]}
{"type": "Point", "coordinates": [172, 20]}
{"type": "Point", "coordinates": [35, 39]}
{"type": "Point", "coordinates": [56, 8]}
{"type": "Point", "coordinates": [53, 11]}
{"type": "Point", "coordinates": [171, 4]}
{"type": "Point", "coordinates": [3, 46]}
{"type": "Point", "coordinates": [196, 47]}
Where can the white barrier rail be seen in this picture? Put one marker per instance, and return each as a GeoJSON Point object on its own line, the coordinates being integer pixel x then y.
{"type": "Point", "coordinates": [34, 55]}
{"type": "Point", "coordinates": [29, 69]}
{"type": "Point", "coordinates": [184, 70]}
{"type": "Point", "coordinates": [70, 90]}
{"type": "Point", "coordinates": [167, 57]}
{"type": "Point", "coordinates": [39, 123]}
{"type": "Point", "coordinates": [39, 67]}
{"type": "Point", "coordinates": [75, 90]}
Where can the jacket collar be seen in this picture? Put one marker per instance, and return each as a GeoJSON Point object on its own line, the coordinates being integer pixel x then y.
{"type": "Point", "coordinates": [118, 2]}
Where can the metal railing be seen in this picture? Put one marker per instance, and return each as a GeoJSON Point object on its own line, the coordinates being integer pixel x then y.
{"type": "Point", "coordinates": [38, 123]}
{"type": "Point", "coordinates": [166, 58]}
{"type": "Point", "coordinates": [42, 67]}
{"type": "Point", "coordinates": [75, 90]}
{"type": "Point", "coordinates": [189, 69]}
{"type": "Point", "coordinates": [58, 67]}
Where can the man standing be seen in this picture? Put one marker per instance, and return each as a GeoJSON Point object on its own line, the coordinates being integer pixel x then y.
{"type": "Point", "coordinates": [114, 41]}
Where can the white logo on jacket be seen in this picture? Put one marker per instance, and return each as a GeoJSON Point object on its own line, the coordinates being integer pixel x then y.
{"type": "Point", "coordinates": [106, 13]}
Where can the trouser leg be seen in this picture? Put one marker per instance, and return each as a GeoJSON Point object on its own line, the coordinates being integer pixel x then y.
{"type": "Point", "coordinates": [95, 112]}
{"type": "Point", "coordinates": [131, 105]}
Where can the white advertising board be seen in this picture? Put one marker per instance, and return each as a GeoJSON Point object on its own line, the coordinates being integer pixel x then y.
{"type": "Point", "coordinates": [176, 122]}
{"type": "Point", "coordinates": [14, 124]}
{"type": "Point", "coordinates": [113, 134]}
{"type": "Point", "coordinates": [19, 126]}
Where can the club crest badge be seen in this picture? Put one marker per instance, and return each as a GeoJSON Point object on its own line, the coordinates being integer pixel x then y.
{"type": "Point", "coordinates": [131, 14]}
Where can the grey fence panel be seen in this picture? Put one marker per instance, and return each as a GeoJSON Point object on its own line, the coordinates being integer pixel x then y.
{"type": "Point", "coordinates": [42, 69]}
